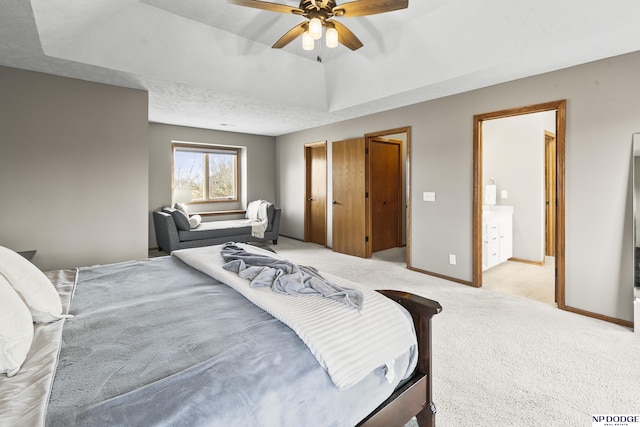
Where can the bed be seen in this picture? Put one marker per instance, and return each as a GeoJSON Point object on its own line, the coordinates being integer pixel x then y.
{"type": "Point", "coordinates": [164, 342]}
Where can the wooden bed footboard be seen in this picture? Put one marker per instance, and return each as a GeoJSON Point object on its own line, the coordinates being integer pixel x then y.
{"type": "Point", "coordinates": [414, 397]}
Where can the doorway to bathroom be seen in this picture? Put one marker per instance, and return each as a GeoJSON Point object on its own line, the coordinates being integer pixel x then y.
{"type": "Point", "coordinates": [519, 201]}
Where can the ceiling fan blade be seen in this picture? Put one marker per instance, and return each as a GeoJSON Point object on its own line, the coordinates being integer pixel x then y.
{"type": "Point", "coordinates": [368, 7]}
{"type": "Point", "coordinates": [291, 35]}
{"type": "Point", "coordinates": [264, 5]}
{"type": "Point", "coordinates": [345, 36]}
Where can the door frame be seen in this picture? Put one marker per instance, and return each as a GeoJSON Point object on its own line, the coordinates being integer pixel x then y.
{"type": "Point", "coordinates": [400, 170]}
{"type": "Point", "coordinates": [407, 176]}
{"type": "Point", "coordinates": [307, 187]}
{"type": "Point", "coordinates": [550, 189]}
{"type": "Point", "coordinates": [560, 108]}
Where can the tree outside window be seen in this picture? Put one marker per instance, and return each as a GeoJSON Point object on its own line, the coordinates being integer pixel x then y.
{"type": "Point", "coordinates": [209, 173]}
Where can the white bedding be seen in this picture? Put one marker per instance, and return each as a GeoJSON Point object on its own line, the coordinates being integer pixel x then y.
{"type": "Point", "coordinates": [349, 347]}
{"type": "Point", "coordinates": [24, 397]}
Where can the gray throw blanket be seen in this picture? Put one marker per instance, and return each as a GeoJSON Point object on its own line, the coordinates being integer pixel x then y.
{"type": "Point", "coordinates": [285, 277]}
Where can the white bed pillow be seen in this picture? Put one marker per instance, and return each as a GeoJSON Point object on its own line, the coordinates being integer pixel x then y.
{"type": "Point", "coordinates": [31, 284]}
{"type": "Point", "coordinates": [16, 329]}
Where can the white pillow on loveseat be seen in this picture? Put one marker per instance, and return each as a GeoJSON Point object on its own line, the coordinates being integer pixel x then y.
{"type": "Point", "coordinates": [194, 221]}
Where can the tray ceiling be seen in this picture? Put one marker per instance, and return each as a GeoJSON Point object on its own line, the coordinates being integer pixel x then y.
{"type": "Point", "coordinates": [209, 64]}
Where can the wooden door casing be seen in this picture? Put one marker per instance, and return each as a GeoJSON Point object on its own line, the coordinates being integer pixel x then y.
{"type": "Point", "coordinates": [559, 187]}
{"type": "Point", "coordinates": [385, 193]}
{"type": "Point", "coordinates": [550, 193]}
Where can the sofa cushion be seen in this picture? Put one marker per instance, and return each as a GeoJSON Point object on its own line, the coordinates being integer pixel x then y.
{"type": "Point", "coordinates": [215, 229]}
{"type": "Point", "coordinates": [181, 219]}
{"type": "Point", "coordinates": [182, 207]}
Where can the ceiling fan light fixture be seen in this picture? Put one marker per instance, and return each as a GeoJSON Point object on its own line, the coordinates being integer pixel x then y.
{"type": "Point", "coordinates": [307, 41]}
{"type": "Point", "coordinates": [331, 38]}
{"type": "Point", "coordinates": [319, 14]}
{"type": "Point", "coordinates": [315, 28]}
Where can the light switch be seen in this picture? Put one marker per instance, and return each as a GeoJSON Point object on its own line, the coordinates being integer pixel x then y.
{"type": "Point", "coordinates": [429, 196]}
{"type": "Point", "coordinates": [503, 194]}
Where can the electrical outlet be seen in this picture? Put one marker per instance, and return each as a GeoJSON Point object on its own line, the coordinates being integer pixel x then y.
{"type": "Point", "coordinates": [452, 259]}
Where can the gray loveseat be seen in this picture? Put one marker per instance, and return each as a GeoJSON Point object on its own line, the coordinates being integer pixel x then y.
{"type": "Point", "coordinates": [170, 236]}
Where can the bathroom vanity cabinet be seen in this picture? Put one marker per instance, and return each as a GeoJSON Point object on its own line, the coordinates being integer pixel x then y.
{"type": "Point", "coordinates": [497, 235]}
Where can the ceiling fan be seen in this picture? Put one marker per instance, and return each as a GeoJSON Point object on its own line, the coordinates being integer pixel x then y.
{"type": "Point", "coordinates": [319, 14]}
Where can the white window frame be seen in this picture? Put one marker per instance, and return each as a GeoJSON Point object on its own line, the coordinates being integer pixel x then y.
{"type": "Point", "coordinates": [205, 150]}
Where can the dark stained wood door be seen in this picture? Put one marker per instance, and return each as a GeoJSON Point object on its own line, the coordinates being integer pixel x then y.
{"type": "Point", "coordinates": [315, 230]}
{"type": "Point", "coordinates": [385, 192]}
{"type": "Point", "coordinates": [349, 203]}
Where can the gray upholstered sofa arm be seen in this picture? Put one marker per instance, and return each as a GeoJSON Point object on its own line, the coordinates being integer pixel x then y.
{"type": "Point", "coordinates": [273, 230]}
{"type": "Point", "coordinates": [166, 231]}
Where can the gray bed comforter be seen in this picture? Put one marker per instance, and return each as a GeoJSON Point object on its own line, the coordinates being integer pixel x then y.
{"type": "Point", "coordinates": [157, 343]}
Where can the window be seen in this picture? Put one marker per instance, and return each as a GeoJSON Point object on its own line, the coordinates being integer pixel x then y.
{"type": "Point", "coordinates": [205, 173]}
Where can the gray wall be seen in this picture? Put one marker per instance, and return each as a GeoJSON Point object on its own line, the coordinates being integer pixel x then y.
{"type": "Point", "coordinates": [258, 160]}
{"type": "Point", "coordinates": [73, 169]}
{"type": "Point", "coordinates": [603, 110]}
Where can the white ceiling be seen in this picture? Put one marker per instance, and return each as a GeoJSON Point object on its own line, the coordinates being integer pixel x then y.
{"type": "Point", "coordinates": [209, 64]}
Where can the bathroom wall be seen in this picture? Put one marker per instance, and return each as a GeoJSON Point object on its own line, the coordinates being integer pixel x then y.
{"type": "Point", "coordinates": [513, 154]}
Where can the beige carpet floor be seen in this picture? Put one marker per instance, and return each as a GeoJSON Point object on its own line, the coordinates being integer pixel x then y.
{"type": "Point", "coordinates": [501, 359]}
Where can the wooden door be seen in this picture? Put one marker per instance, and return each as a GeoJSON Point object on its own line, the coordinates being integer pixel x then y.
{"type": "Point", "coordinates": [385, 192]}
{"type": "Point", "coordinates": [315, 215]}
{"type": "Point", "coordinates": [349, 203]}
{"type": "Point", "coordinates": [550, 190]}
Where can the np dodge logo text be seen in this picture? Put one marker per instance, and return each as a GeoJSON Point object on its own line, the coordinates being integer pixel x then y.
{"type": "Point", "coordinates": [616, 420]}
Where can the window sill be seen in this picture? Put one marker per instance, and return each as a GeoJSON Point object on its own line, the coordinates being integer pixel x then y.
{"type": "Point", "coordinates": [217, 213]}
